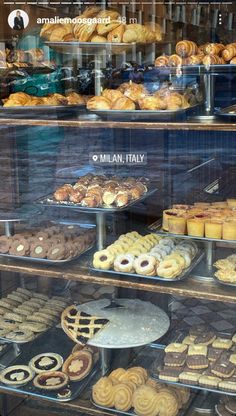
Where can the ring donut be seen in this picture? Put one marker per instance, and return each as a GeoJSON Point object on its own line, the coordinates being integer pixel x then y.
{"type": "Point", "coordinates": [169, 269]}
{"type": "Point", "coordinates": [145, 264]}
{"type": "Point", "coordinates": [124, 263]}
{"type": "Point", "coordinates": [103, 259]}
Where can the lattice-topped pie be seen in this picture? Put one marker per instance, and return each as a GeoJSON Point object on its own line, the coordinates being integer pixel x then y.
{"type": "Point", "coordinates": [80, 326]}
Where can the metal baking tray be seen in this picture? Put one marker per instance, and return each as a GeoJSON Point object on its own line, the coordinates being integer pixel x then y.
{"type": "Point", "coordinates": [144, 359]}
{"type": "Point", "coordinates": [45, 261]}
{"type": "Point", "coordinates": [48, 111]}
{"type": "Point", "coordinates": [91, 48]}
{"type": "Point", "coordinates": [37, 335]}
{"type": "Point", "coordinates": [199, 256]}
{"type": "Point", "coordinates": [140, 115]}
{"type": "Point", "coordinates": [53, 341]}
{"type": "Point", "coordinates": [159, 361]}
{"type": "Point", "coordinates": [156, 227]}
{"type": "Point", "coordinates": [48, 201]}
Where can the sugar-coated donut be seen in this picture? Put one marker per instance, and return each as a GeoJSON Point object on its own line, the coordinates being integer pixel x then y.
{"type": "Point", "coordinates": [145, 265]}
{"type": "Point", "coordinates": [124, 263]}
{"type": "Point", "coordinates": [169, 269]}
{"type": "Point", "coordinates": [103, 259]}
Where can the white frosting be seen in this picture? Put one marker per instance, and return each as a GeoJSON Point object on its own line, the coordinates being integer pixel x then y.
{"type": "Point", "coordinates": [53, 381]}
{"type": "Point", "coordinates": [45, 361]}
{"type": "Point", "coordinates": [17, 376]}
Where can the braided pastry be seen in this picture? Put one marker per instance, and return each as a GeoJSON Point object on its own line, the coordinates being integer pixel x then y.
{"type": "Point", "coordinates": [103, 392]}
{"type": "Point", "coordinates": [229, 52]}
{"type": "Point", "coordinates": [186, 48]}
{"type": "Point", "coordinates": [145, 401]}
{"type": "Point", "coordinates": [162, 60]}
{"type": "Point", "coordinates": [123, 394]}
{"type": "Point", "coordinates": [213, 48]}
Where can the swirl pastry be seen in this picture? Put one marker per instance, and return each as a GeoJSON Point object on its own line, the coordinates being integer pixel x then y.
{"type": "Point", "coordinates": [98, 103]}
{"type": "Point", "coordinates": [162, 60]}
{"type": "Point", "coordinates": [134, 375]}
{"type": "Point", "coordinates": [123, 103]}
{"type": "Point", "coordinates": [123, 394]}
{"type": "Point", "coordinates": [103, 392]}
{"type": "Point", "coordinates": [175, 60]}
{"type": "Point", "coordinates": [116, 375]}
{"type": "Point", "coordinates": [212, 60]}
{"type": "Point", "coordinates": [213, 48]}
{"type": "Point", "coordinates": [229, 52]}
{"type": "Point", "coordinates": [168, 404]}
{"type": "Point", "coordinates": [145, 401]}
{"type": "Point", "coordinates": [186, 48]}
{"type": "Point", "coordinates": [116, 35]}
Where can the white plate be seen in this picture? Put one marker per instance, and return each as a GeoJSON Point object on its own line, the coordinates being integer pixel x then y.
{"type": "Point", "coordinates": [138, 323]}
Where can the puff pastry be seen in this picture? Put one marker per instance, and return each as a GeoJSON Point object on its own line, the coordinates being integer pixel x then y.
{"type": "Point", "coordinates": [104, 28]}
{"type": "Point", "coordinates": [98, 103]}
{"type": "Point", "coordinates": [152, 103]}
{"type": "Point", "coordinates": [186, 48]}
{"type": "Point", "coordinates": [98, 38]}
{"type": "Point", "coordinates": [162, 60]}
{"type": "Point", "coordinates": [229, 52]}
{"type": "Point", "coordinates": [123, 103]}
{"type": "Point", "coordinates": [116, 35]}
{"type": "Point", "coordinates": [112, 95]}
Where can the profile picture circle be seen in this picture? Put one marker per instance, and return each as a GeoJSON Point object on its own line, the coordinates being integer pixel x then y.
{"type": "Point", "coordinates": [18, 19]}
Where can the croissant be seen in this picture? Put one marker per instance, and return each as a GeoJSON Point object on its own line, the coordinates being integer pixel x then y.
{"type": "Point", "coordinates": [229, 52]}
{"type": "Point", "coordinates": [55, 99]}
{"type": "Point", "coordinates": [91, 11]}
{"type": "Point", "coordinates": [233, 61]}
{"type": "Point", "coordinates": [212, 60]}
{"type": "Point", "coordinates": [135, 33]}
{"type": "Point", "coordinates": [195, 59]}
{"type": "Point", "coordinates": [186, 48]}
{"type": "Point", "coordinates": [83, 31]}
{"type": "Point", "coordinates": [135, 91]}
{"type": "Point", "coordinates": [104, 28]}
{"type": "Point", "coordinates": [112, 95]}
{"type": "Point", "coordinates": [162, 60]}
{"type": "Point", "coordinates": [75, 99]}
{"type": "Point", "coordinates": [156, 29]}
{"type": "Point", "coordinates": [174, 101]}
{"type": "Point", "coordinates": [98, 38]}
{"type": "Point", "coordinates": [98, 103]}
{"type": "Point", "coordinates": [17, 99]}
{"type": "Point", "coordinates": [58, 34]}
{"type": "Point", "coordinates": [123, 103]}
{"type": "Point", "coordinates": [116, 35]}
{"type": "Point", "coordinates": [152, 103]}
{"type": "Point", "coordinates": [213, 48]}
{"type": "Point", "coordinates": [48, 28]}
{"type": "Point", "coordinates": [175, 60]}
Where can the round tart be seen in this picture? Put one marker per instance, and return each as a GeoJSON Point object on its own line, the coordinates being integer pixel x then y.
{"type": "Point", "coordinates": [16, 375]}
{"type": "Point", "coordinates": [78, 365]}
{"type": "Point", "coordinates": [47, 361]}
{"type": "Point", "coordinates": [51, 380]}
{"type": "Point", "coordinates": [64, 394]}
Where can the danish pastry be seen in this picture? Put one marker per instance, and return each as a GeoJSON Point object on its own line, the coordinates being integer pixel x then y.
{"type": "Point", "coordinates": [213, 48]}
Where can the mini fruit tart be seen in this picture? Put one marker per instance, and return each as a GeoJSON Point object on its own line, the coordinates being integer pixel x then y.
{"type": "Point", "coordinates": [16, 375]}
{"type": "Point", "coordinates": [51, 380]}
{"type": "Point", "coordinates": [48, 361]}
{"type": "Point", "coordinates": [78, 365]}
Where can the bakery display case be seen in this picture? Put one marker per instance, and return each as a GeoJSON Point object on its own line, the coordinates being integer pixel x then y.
{"type": "Point", "coordinates": [117, 208]}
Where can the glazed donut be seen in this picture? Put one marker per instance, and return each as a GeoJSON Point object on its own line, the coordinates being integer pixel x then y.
{"type": "Point", "coordinates": [167, 242]}
{"type": "Point", "coordinates": [145, 264]}
{"type": "Point", "coordinates": [123, 394]}
{"type": "Point", "coordinates": [186, 256]}
{"type": "Point", "coordinates": [103, 259]}
{"type": "Point", "coordinates": [103, 392]}
{"type": "Point", "coordinates": [176, 256]}
{"type": "Point", "coordinates": [169, 269]}
{"type": "Point", "coordinates": [124, 263]}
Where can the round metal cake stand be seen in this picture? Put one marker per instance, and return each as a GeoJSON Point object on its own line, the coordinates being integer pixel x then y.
{"type": "Point", "coordinates": [132, 323]}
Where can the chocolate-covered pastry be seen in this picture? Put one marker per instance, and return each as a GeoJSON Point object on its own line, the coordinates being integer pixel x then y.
{"type": "Point", "coordinates": [42, 236]}
{"type": "Point", "coordinates": [174, 359]}
{"type": "Point", "coordinates": [214, 353]}
{"type": "Point", "coordinates": [5, 244]}
{"type": "Point", "coordinates": [39, 250]}
{"type": "Point", "coordinates": [56, 252]}
{"type": "Point", "coordinates": [170, 374]}
{"type": "Point", "coordinates": [223, 368]}
{"type": "Point", "coordinates": [197, 362]}
{"type": "Point", "coordinates": [20, 247]}
{"type": "Point", "coordinates": [205, 338]}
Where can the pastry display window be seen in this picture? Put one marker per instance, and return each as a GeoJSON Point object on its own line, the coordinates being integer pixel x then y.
{"type": "Point", "coordinates": [117, 208]}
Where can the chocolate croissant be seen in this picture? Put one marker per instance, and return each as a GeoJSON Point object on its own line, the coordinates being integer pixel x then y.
{"type": "Point", "coordinates": [229, 52]}
{"type": "Point", "coordinates": [186, 48]}
{"type": "Point", "coordinates": [162, 60]}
